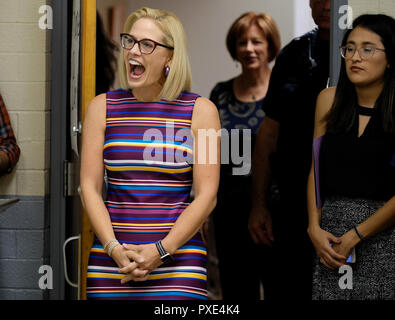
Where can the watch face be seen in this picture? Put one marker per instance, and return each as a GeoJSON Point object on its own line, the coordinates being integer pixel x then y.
{"type": "Point", "coordinates": [166, 258]}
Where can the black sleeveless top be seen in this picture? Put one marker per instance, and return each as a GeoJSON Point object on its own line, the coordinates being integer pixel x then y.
{"type": "Point", "coordinates": [359, 167]}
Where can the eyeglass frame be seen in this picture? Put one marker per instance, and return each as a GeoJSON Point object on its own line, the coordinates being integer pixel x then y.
{"type": "Point", "coordinates": [138, 43]}
{"type": "Point", "coordinates": [355, 50]}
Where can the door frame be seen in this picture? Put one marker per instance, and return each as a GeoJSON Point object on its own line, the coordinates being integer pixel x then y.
{"type": "Point", "coordinates": [59, 114]}
{"type": "Point", "coordinates": [88, 85]}
{"type": "Point", "coordinates": [60, 106]}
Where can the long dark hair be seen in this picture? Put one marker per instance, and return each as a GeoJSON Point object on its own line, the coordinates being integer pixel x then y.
{"type": "Point", "coordinates": [106, 59]}
{"type": "Point", "coordinates": [342, 115]}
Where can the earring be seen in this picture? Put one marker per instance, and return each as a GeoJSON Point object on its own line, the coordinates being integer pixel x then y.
{"type": "Point", "coordinates": [167, 70]}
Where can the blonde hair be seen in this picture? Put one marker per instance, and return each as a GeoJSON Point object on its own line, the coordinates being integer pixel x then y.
{"type": "Point", "coordinates": [179, 78]}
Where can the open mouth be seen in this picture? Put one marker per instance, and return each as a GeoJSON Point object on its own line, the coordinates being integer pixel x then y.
{"type": "Point", "coordinates": [136, 69]}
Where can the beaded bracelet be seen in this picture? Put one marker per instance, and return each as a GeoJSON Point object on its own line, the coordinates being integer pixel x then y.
{"type": "Point", "coordinates": [109, 244]}
{"type": "Point", "coordinates": [113, 245]}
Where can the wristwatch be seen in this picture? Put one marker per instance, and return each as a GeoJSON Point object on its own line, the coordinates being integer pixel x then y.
{"type": "Point", "coordinates": [164, 256]}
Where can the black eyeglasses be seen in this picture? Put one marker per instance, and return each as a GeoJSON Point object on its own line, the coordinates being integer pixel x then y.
{"type": "Point", "coordinates": [365, 52]}
{"type": "Point", "coordinates": [146, 46]}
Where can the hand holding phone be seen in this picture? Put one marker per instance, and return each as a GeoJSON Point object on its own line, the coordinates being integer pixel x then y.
{"type": "Point", "coordinates": [352, 256]}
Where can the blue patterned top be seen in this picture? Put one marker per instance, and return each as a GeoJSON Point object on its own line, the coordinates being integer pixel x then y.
{"type": "Point", "coordinates": [235, 114]}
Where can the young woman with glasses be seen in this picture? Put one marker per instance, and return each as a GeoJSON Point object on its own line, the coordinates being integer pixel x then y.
{"type": "Point", "coordinates": [351, 189]}
{"type": "Point", "coordinates": [148, 244]}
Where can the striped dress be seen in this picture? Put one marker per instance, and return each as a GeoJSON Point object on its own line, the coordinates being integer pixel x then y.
{"type": "Point", "coordinates": [147, 154]}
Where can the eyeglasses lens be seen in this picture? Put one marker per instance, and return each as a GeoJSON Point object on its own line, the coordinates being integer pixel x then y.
{"type": "Point", "coordinates": [146, 46]}
{"type": "Point", "coordinates": [127, 42]}
{"type": "Point", "coordinates": [364, 52]}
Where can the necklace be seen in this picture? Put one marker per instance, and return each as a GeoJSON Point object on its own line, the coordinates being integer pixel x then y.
{"type": "Point", "coordinates": [254, 91]}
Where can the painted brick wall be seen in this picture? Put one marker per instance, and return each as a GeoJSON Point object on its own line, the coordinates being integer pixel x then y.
{"type": "Point", "coordinates": [25, 87]}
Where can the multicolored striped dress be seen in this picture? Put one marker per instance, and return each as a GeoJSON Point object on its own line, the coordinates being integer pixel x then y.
{"type": "Point", "coordinates": [148, 152]}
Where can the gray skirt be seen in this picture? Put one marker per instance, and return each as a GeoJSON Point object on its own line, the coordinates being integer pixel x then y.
{"type": "Point", "coordinates": [372, 276]}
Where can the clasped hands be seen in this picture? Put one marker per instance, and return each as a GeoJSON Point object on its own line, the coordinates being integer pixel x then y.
{"type": "Point", "coordinates": [136, 261]}
{"type": "Point", "coordinates": [333, 251]}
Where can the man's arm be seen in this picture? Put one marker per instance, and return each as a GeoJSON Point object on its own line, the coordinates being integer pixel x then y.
{"type": "Point", "coordinates": [9, 150]}
{"type": "Point", "coordinates": [260, 217]}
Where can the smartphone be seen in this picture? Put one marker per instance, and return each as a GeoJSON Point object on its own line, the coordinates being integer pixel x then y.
{"type": "Point", "coordinates": [352, 257]}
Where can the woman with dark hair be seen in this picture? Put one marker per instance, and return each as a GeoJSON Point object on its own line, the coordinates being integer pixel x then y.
{"type": "Point", "coordinates": [253, 40]}
{"type": "Point", "coordinates": [351, 189]}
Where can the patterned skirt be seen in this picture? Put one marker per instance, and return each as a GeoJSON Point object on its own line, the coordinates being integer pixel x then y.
{"type": "Point", "coordinates": [372, 275]}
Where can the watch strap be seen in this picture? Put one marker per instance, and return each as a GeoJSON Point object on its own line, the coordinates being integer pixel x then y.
{"type": "Point", "coordinates": [164, 256]}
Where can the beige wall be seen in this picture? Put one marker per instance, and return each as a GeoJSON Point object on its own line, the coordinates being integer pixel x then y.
{"type": "Point", "coordinates": [372, 6]}
{"type": "Point", "coordinates": [206, 23]}
{"type": "Point", "coordinates": [25, 86]}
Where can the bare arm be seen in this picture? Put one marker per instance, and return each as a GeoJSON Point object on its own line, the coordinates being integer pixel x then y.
{"type": "Point", "coordinates": [320, 238]}
{"type": "Point", "coordinates": [381, 220]}
{"type": "Point", "coordinates": [205, 177]}
{"type": "Point", "coordinates": [92, 169]}
{"type": "Point", "coordinates": [92, 175]}
{"type": "Point", "coordinates": [324, 102]}
{"type": "Point", "coordinates": [266, 144]}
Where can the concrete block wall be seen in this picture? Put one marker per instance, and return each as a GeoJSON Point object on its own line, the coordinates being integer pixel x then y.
{"type": "Point", "coordinates": [25, 60]}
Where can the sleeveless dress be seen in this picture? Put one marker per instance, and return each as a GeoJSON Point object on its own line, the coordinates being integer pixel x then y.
{"type": "Point", "coordinates": [147, 154]}
{"type": "Point", "coordinates": [357, 177]}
